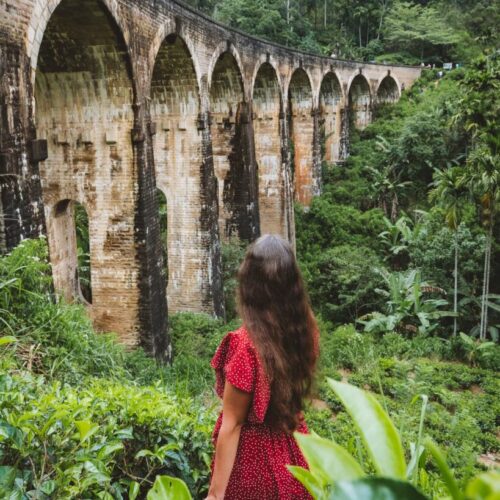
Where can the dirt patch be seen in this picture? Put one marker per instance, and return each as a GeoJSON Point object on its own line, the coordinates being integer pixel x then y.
{"type": "Point", "coordinates": [490, 460]}
{"type": "Point", "coordinates": [319, 404]}
{"type": "Point", "coordinates": [344, 373]}
{"type": "Point", "coordinates": [476, 389]}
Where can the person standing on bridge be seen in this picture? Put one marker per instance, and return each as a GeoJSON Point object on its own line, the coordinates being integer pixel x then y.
{"type": "Point", "coordinates": [264, 373]}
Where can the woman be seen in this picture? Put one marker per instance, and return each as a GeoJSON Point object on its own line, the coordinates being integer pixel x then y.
{"type": "Point", "coordinates": [264, 372]}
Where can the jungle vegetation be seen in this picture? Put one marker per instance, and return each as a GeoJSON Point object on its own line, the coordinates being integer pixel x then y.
{"type": "Point", "coordinates": [392, 31]}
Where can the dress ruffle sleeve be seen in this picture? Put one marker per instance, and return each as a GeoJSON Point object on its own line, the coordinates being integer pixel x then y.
{"type": "Point", "coordinates": [237, 362]}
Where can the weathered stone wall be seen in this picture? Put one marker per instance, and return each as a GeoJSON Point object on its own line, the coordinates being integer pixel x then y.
{"type": "Point", "coordinates": [135, 96]}
{"type": "Point", "coordinates": [267, 113]}
{"type": "Point", "coordinates": [330, 108]}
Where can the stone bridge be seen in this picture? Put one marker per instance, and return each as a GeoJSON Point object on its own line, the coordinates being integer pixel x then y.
{"type": "Point", "coordinates": [106, 103]}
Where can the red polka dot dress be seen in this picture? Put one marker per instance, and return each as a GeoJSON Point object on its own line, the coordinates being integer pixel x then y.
{"type": "Point", "coordinates": [259, 471]}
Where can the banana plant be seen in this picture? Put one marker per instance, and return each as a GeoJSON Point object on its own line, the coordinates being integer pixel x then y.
{"type": "Point", "coordinates": [407, 308]}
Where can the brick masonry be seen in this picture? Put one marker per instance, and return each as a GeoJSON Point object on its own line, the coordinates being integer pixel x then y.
{"type": "Point", "coordinates": [132, 97]}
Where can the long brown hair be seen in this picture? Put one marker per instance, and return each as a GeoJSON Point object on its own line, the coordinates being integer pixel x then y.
{"type": "Point", "coordinates": [275, 309]}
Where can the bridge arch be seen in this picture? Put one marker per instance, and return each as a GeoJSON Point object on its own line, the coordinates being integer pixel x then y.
{"type": "Point", "coordinates": [169, 30]}
{"type": "Point", "coordinates": [360, 101]}
{"type": "Point", "coordinates": [229, 131]}
{"type": "Point", "coordinates": [83, 100]}
{"type": "Point", "coordinates": [267, 112]}
{"type": "Point", "coordinates": [221, 49]}
{"type": "Point", "coordinates": [388, 90]}
{"type": "Point", "coordinates": [266, 59]}
{"type": "Point", "coordinates": [330, 115]}
{"type": "Point", "coordinates": [41, 15]}
{"type": "Point", "coordinates": [301, 125]}
{"type": "Point", "coordinates": [175, 107]}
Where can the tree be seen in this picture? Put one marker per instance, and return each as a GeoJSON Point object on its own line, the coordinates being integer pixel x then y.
{"type": "Point", "coordinates": [479, 114]}
{"type": "Point", "coordinates": [448, 193]}
{"type": "Point", "coordinates": [387, 186]}
{"type": "Point", "coordinates": [418, 28]}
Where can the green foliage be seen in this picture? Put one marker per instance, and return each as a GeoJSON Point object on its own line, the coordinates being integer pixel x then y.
{"type": "Point", "coordinates": [55, 338]}
{"type": "Point", "coordinates": [394, 32]}
{"type": "Point", "coordinates": [476, 349]}
{"type": "Point", "coordinates": [83, 248]}
{"type": "Point", "coordinates": [342, 282]}
{"type": "Point", "coordinates": [267, 19]}
{"type": "Point", "coordinates": [335, 474]}
{"type": "Point", "coordinates": [344, 348]}
{"type": "Point", "coordinates": [168, 488]}
{"type": "Point", "coordinates": [417, 28]}
{"type": "Point", "coordinates": [377, 430]}
{"type": "Point", "coordinates": [375, 488]}
{"type": "Point", "coordinates": [83, 442]}
{"type": "Point", "coordinates": [232, 256]}
{"type": "Point", "coordinates": [152, 419]}
{"type": "Point", "coordinates": [408, 310]}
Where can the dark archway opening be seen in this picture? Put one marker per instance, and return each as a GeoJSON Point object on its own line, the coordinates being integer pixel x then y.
{"type": "Point", "coordinates": [388, 91]}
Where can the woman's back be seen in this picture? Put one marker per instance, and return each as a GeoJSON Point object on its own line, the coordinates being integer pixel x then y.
{"type": "Point", "coordinates": [264, 372]}
{"type": "Point", "coordinates": [259, 471]}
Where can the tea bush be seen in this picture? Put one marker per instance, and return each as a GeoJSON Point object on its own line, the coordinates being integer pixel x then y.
{"type": "Point", "coordinates": [79, 442]}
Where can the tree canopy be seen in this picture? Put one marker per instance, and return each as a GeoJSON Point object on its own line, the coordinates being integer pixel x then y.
{"type": "Point", "coordinates": [393, 31]}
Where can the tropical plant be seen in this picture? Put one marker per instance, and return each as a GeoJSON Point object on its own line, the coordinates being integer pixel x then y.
{"type": "Point", "coordinates": [387, 186]}
{"type": "Point", "coordinates": [479, 111]}
{"type": "Point", "coordinates": [407, 311]}
{"type": "Point", "coordinates": [399, 235]}
{"type": "Point", "coordinates": [448, 193]}
{"type": "Point", "coordinates": [334, 474]}
{"type": "Point", "coordinates": [476, 349]}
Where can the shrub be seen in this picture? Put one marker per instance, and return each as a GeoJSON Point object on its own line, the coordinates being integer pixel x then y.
{"type": "Point", "coordinates": [345, 348]}
{"type": "Point", "coordinates": [79, 443]}
{"type": "Point", "coordinates": [55, 338]}
{"type": "Point", "coordinates": [342, 282]}
{"type": "Point", "coordinates": [232, 256]}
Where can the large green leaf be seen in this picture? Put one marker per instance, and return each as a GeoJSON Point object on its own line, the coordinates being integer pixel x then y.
{"type": "Point", "coordinates": [169, 488]}
{"type": "Point", "coordinates": [7, 477]}
{"type": "Point", "coordinates": [379, 434]}
{"type": "Point", "coordinates": [444, 469]}
{"type": "Point", "coordinates": [7, 339]}
{"type": "Point", "coordinates": [375, 488]}
{"type": "Point", "coordinates": [327, 460]}
{"type": "Point", "coordinates": [308, 480]}
{"type": "Point", "coordinates": [486, 486]}
{"type": "Point", "coordinates": [133, 490]}
{"type": "Point", "coordinates": [86, 429]}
